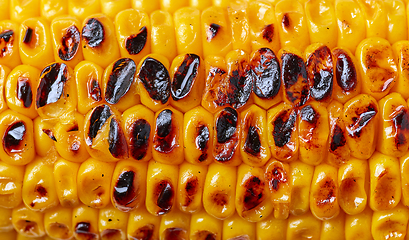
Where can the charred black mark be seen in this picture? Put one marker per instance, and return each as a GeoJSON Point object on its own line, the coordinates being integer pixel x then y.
{"type": "Point", "coordinates": [116, 139]}
{"type": "Point", "coordinates": [42, 192]}
{"type": "Point", "coordinates": [327, 193]}
{"type": "Point", "coordinates": [93, 33]}
{"type": "Point", "coordinates": [140, 131]}
{"type": "Point", "coordinates": [83, 229]}
{"type": "Point", "coordinates": [283, 128]}
{"type": "Point", "coordinates": [164, 142]}
{"type": "Point", "coordinates": [285, 21]}
{"type": "Point", "coordinates": [94, 90]}
{"type": "Point", "coordinates": [254, 194]}
{"type": "Point", "coordinates": [268, 32]}
{"type": "Point", "coordinates": [69, 43]}
{"type": "Point", "coordinates": [155, 79]}
{"type": "Point", "coordinates": [294, 78]}
{"type": "Point", "coordinates": [98, 118]}
{"type": "Point", "coordinates": [120, 80]}
{"type": "Point", "coordinates": [401, 126]}
{"type": "Point", "coordinates": [309, 115]}
{"type": "Point", "coordinates": [8, 37]}
{"type": "Point", "coordinates": [226, 125]}
{"type": "Point", "coordinates": [275, 177]}
{"type": "Point", "coordinates": [240, 84]}
{"type": "Point", "coordinates": [52, 82]}
{"type": "Point", "coordinates": [345, 71]}
{"type": "Point", "coordinates": [321, 73]}
{"type": "Point", "coordinates": [124, 190]}
{"type": "Point", "coordinates": [212, 31]}
{"type": "Point", "coordinates": [220, 198]}
{"type": "Point", "coordinates": [24, 92]}
{"type": "Point", "coordinates": [175, 233]}
{"type": "Point", "coordinates": [252, 144]}
{"type": "Point", "coordinates": [73, 128]}
{"type": "Point", "coordinates": [50, 134]}
{"type": "Point", "coordinates": [191, 188]}
{"type": "Point", "coordinates": [338, 138]}
{"type": "Point", "coordinates": [164, 192]}
{"type": "Point", "coordinates": [143, 233]}
{"type": "Point", "coordinates": [202, 139]}
{"type": "Point", "coordinates": [13, 137]}
{"type": "Point", "coordinates": [28, 35]}
{"type": "Point", "coordinates": [364, 117]}
{"type": "Point", "coordinates": [135, 43]}
{"type": "Point", "coordinates": [185, 77]}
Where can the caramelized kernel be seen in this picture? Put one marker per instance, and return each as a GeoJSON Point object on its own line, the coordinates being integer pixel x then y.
{"type": "Point", "coordinates": [6, 48]}
{"type": "Point", "coordinates": [69, 43]}
{"type": "Point", "coordinates": [212, 31]}
{"type": "Point", "coordinates": [52, 83]}
{"type": "Point", "coordinates": [28, 35]}
{"type": "Point", "coordinates": [285, 21]}
{"type": "Point", "coordinates": [93, 33]}
{"type": "Point", "coordinates": [13, 137]}
{"type": "Point", "coordinates": [345, 71]}
{"type": "Point", "coordinates": [191, 189]}
{"type": "Point", "coordinates": [135, 43]}
{"type": "Point", "coordinates": [205, 235]}
{"type": "Point", "coordinates": [83, 229]}
{"type": "Point", "coordinates": [164, 192]}
{"type": "Point", "coordinates": [111, 234]}
{"type": "Point", "coordinates": [42, 192]}
{"type": "Point", "coordinates": [253, 143]}
{"type": "Point", "coordinates": [220, 198]}
{"type": "Point", "coordinates": [217, 76]}
{"type": "Point", "coordinates": [240, 84]}
{"type": "Point", "coordinates": [24, 93]}
{"type": "Point", "coordinates": [124, 190]}
{"type": "Point", "coordinates": [165, 142]}
{"type": "Point", "coordinates": [364, 116]}
{"type": "Point", "coordinates": [294, 78]}
{"type": "Point", "coordinates": [400, 125]}
{"type": "Point", "coordinates": [337, 138]}
{"type": "Point", "coordinates": [140, 131]}
{"type": "Point", "coordinates": [268, 32]}
{"type": "Point", "coordinates": [284, 125]}
{"type": "Point", "coordinates": [275, 177]}
{"type": "Point", "coordinates": [266, 72]}
{"type": "Point", "coordinates": [226, 125]}
{"type": "Point", "coordinates": [384, 190]}
{"type": "Point", "coordinates": [202, 139]}
{"type": "Point", "coordinates": [348, 186]}
{"type": "Point", "coordinates": [309, 115]}
{"type": "Point", "coordinates": [175, 234]}
{"type": "Point", "coordinates": [326, 195]}
{"type": "Point", "coordinates": [120, 80]}
{"type": "Point", "coordinates": [185, 77]}
{"type": "Point", "coordinates": [254, 194]}
{"type": "Point", "coordinates": [98, 118]}
{"type": "Point", "coordinates": [94, 90]}
{"type": "Point", "coordinates": [116, 139]}
{"type": "Point", "coordinates": [155, 79]}
{"type": "Point", "coordinates": [50, 134]}
{"type": "Point", "coordinates": [320, 73]}
{"type": "Point", "coordinates": [143, 233]}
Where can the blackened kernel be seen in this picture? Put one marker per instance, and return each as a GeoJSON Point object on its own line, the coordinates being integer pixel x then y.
{"type": "Point", "coordinates": [165, 193]}
{"type": "Point", "coordinates": [252, 145]}
{"type": "Point", "coordinates": [164, 123]}
{"type": "Point", "coordinates": [345, 71]}
{"type": "Point", "coordinates": [294, 79]}
{"type": "Point", "coordinates": [285, 21]}
{"type": "Point", "coordinates": [284, 126]}
{"type": "Point", "coordinates": [361, 119]}
{"type": "Point", "coordinates": [50, 134]}
{"type": "Point", "coordinates": [13, 137]}
{"type": "Point", "coordinates": [6, 35]}
{"type": "Point", "coordinates": [116, 140]}
{"type": "Point", "coordinates": [124, 189]}
{"type": "Point", "coordinates": [52, 84]}
{"type": "Point", "coordinates": [99, 116]}
{"type": "Point", "coordinates": [276, 176]}
{"type": "Point", "coordinates": [28, 35]}
{"type": "Point", "coordinates": [93, 33]}
{"type": "Point", "coordinates": [308, 114]}
{"type": "Point", "coordinates": [7, 48]}
{"type": "Point", "coordinates": [140, 131]}
{"type": "Point", "coordinates": [120, 80]}
{"type": "Point", "coordinates": [24, 93]}
{"type": "Point", "coordinates": [212, 31]}
{"type": "Point", "coordinates": [94, 90]}
{"type": "Point", "coordinates": [185, 77]}
{"type": "Point", "coordinates": [268, 32]}
{"type": "Point", "coordinates": [240, 84]}
{"type": "Point", "coordinates": [202, 137]}
{"type": "Point", "coordinates": [69, 43]}
{"type": "Point", "coordinates": [320, 73]}
{"type": "Point", "coordinates": [338, 138]}
{"type": "Point", "coordinates": [254, 194]}
{"type": "Point", "coordinates": [135, 43]}
{"type": "Point", "coordinates": [226, 124]}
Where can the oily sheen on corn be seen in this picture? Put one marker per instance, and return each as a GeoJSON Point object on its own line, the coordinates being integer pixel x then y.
{"type": "Point", "coordinates": [165, 119]}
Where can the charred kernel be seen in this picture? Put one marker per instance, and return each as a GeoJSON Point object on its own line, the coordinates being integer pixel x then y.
{"type": "Point", "coordinates": [294, 79]}
{"type": "Point", "coordinates": [164, 191]}
{"type": "Point", "coordinates": [252, 144]}
{"type": "Point", "coordinates": [174, 233]}
{"type": "Point", "coordinates": [185, 76]}
{"type": "Point", "coordinates": [327, 193]}
{"type": "Point", "coordinates": [94, 90]}
{"type": "Point", "coordinates": [42, 192]}
{"type": "Point", "coordinates": [283, 128]}
{"type": "Point", "coordinates": [120, 80]}
{"type": "Point", "coordinates": [28, 35]}
{"type": "Point", "coordinates": [192, 186]}
{"type": "Point", "coordinates": [212, 31]}
{"type": "Point", "coordinates": [140, 131]}
{"type": "Point", "coordinates": [254, 194]}
{"type": "Point", "coordinates": [202, 137]}
{"type": "Point", "coordinates": [164, 123]}
{"type": "Point", "coordinates": [240, 84]}
{"type": "Point", "coordinates": [338, 138]}
{"type": "Point", "coordinates": [50, 134]}
{"type": "Point", "coordinates": [83, 229]}
{"type": "Point", "coordinates": [321, 73]}
{"type": "Point", "coordinates": [309, 115]}
{"type": "Point", "coordinates": [124, 190]}
{"type": "Point", "coordinates": [285, 21]}
{"type": "Point", "coordinates": [268, 32]}
{"type": "Point", "coordinates": [155, 79]}
{"type": "Point", "coordinates": [116, 139]}
{"type": "Point", "coordinates": [13, 137]}
{"type": "Point", "coordinates": [69, 43]}
{"type": "Point", "coordinates": [8, 37]}
{"type": "Point", "coordinates": [52, 83]}
{"type": "Point", "coordinates": [220, 198]}
{"type": "Point", "coordinates": [93, 33]}
{"type": "Point", "coordinates": [345, 71]}
{"type": "Point", "coordinates": [143, 233]}
{"type": "Point", "coordinates": [24, 93]}
{"type": "Point", "coordinates": [111, 234]}
{"type": "Point", "coordinates": [226, 125]}
{"type": "Point", "coordinates": [73, 128]}
{"type": "Point", "coordinates": [400, 124]}
{"type": "Point", "coordinates": [266, 72]}
{"type": "Point", "coordinates": [205, 235]}
{"type": "Point", "coordinates": [364, 116]}
{"type": "Point", "coordinates": [275, 177]}
{"type": "Point", "coordinates": [98, 118]}
{"type": "Point", "coordinates": [135, 43]}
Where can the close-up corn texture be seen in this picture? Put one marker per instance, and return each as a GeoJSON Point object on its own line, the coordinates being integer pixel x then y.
{"type": "Point", "coordinates": [204, 120]}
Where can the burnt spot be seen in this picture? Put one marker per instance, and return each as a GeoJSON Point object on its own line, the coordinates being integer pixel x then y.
{"type": "Point", "coordinates": [362, 118]}
{"type": "Point", "coordinates": [175, 234]}
{"type": "Point", "coordinates": [83, 231]}
{"type": "Point", "coordinates": [191, 188]}
{"type": "Point", "coordinates": [50, 134]}
{"type": "Point", "coordinates": [285, 21]}
{"type": "Point", "coordinates": [201, 140]}
{"type": "Point", "coordinates": [254, 194]}
{"type": "Point", "coordinates": [327, 193]}
{"type": "Point", "coordinates": [29, 226]}
{"type": "Point", "coordinates": [98, 118]}
{"type": "Point", "coordinates": [226, 125]}
{"type": "Point", "coordinates": [135, 43]}
{"type": "Point", "coordinates": [120, 80]}
{"type": "Point", "coordinates": [143, 233]}
{"type": "Point", "coordinates": [348, 187]}
{"type": "Point", "coordinates": [320, 73]}
{"type": "Point", "coordinates": [6, 42]}
{"type": "Point", "coordinates": [73, 128]}
{"type": "Point", "coordinates": [155, 79]}
{"type": "Point", "coordinates": [52, 83]}
{"type": "Point", "coordinates": [205, 235]}
{"type": "Point", "coordinates": [41, 191]}
{"type": "Point", "coordinates": [337, 138]}
{"type": "Point", "coordinates": [220, 198]}
{"type": "Point", "coordinates": [385, 190]}
{"type": "Point", "coordinates": [294, 79]}
{"type": "Point", "coordinates": [111, 234]}
{"type": "Point", "coordinates": [240, 82]}
{"type": "Point", "coordinates": [164, 193]}
{"type": "Point", "coordinates": [94, 90]}
{"type": "Point", "coordinates": [276, 177]}
{"type": "Point", "coordinates": [6, 35]}
{"type": "Point", "coordinates": [400, 119]}
{"type": "Point", "coordinates": [215, 89]}
{"type": "Point", "coordinates": [165, 138]}
{"type": "Point", "coordinates": [24, 93]}
{"type": "Point", "coordinates": [124, 190]}
{"type": "Point", "coordinates": [268, 32]}
{"type": "Point", "coordinates": [284, 126]}
{"type": "Point", "coordinates": [28, 35]}
{"type": "Point", "coordinates": [140, 131]}
{"type": "Point", "coordinates": [266, 73]}
{"type": "Point", "coordinates": [93, 33]}
{"type": "Point", "coordinates": [345, 71]}
{"type": "Point", "coordinates": [13, 137]}
{"type": "Point", "coordinates": [252, 145]}
{"type": "Point", "coordinates": [212, 31]}
{"type": "Point", "coordinates": [69, 43]}
{"type": "Point", "coordinates": [116, 140]}
{"type": "Point", "coordinates": [185, 76]}
{"type": "Point", "coordinates": [309, 115]}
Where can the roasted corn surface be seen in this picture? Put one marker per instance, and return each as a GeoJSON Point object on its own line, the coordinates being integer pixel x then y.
{"type": "Point", "coordinates": [204, 120]}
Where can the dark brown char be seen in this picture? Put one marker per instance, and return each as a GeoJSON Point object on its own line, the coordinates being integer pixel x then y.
{"type": "Point", "coordinates": [362, 118]}
{"type": "Point", "coordinates": [327, 193]}
{"type": "Point", "coordinates": [254, 193]}
{"type": "Point", "coordinates": [24, 93]}
{"type": "Point", "coordinates": [52, 84]}
{"type": "Point", "coordinates": [226, 134]}
{"type": "Point", "coordinates": [185, 76]}
{"type": "Point", "coordinates": [205, 235]}
{"type": "Point", "coordinates": [309, 115]}
{"type": "Point", "coordinates": [191, 188]}
{"type": "Point", "coordinates": [135, 43]}
{"type": "Point", "coordinates": [139, 132]}
{"type": "Point", "coordinates": [83, 230]}
{"type": "Point", "coordinates": [116, 140]}
{"type": "Point", "coordinates": [275, 177]}
{"type": "Point", "coordinates": [175, 234]}
{"type": "Point", "coordinates": [252, 145]}
{"type": "Point", "coordinates": [220, 198]}
{"type": "Point", "coordinates": [337, 138]}
{"type": "Point", "coordinates": [13, 137]}
{"type": "Point", "coordinates": [94, 90]}
{"type": "Point", "coordinates": [6, 48]}
{"type": "Point", "coordinates": [202, 140]}
{"type": "Point", "coordinates": [124, 190]}
{"type": "Point", "coordinates": [99, 116]}
{"type": "Point", "coordinates": [400, 119]}
{"type": "Point", "coordinates": [120, 80]}
{"type": "Point", "coordinates": [143, 233]}
{"type": "Point", "coordinates": [266, 73]}
{"type": "Point", "coordinates": [320, 73]}
{"type": "Point", "coordinates": [164, 140]}
{"type": "Point", "coordinates": [155, 79]}
{"type": "Point", "coordinates": [50, 134]}
{"type": "Point", "coordinates": [268, 32]}
{"type": "Point", "coordinates": [284, 127]}
{"type": "Point", "coordinates": [240, 83]}
{"type": "Point", "coordinates": [345, 71]}
{"type": "Point", "coordinates": [294, 79]}
{"type": "Point", "coordinates": [93, 33]}
{"type": "Point", "coordinates": [28, 35]}
{"type": "Point", "coordinates": [285, 21]}
{"type": "Point", "coordinates": [212, 31]}
{"type": "Point", "coordinates": [164, 193]}
{"type": "Point", "coordinates": [111, 234]}
{"type": "Point", "coordinates": [70, 43]}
